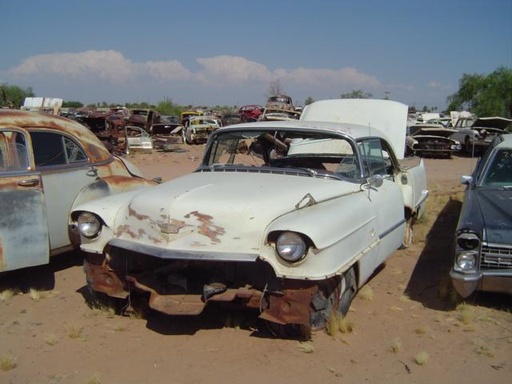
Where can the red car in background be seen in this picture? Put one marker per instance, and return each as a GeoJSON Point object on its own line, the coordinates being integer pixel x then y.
{"type": "Point", "coordinates": [250, 112]}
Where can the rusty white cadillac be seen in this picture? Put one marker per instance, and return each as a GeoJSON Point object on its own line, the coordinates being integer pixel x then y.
{"type": "Point", "coordinates": [289, 218]}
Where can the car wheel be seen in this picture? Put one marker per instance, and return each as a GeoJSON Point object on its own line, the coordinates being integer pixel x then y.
{"type": "Point", "coordinates": [467, 146]}
{"type": "Point", "coordinates": [334, 295]}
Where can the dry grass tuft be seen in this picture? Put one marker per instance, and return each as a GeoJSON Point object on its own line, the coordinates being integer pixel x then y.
{"type": "Point", "coordinates": [421, 358]}
{"type": "Point", "coordinates": [405, 299]}
{"type": "Point", "coordinates": [306, 347]}
{"type": "Point", "coordinates": [422, 330]}
{"type": "Point", "coordinates": [366, 293]}
{"type": "Point", "coordinates": [36, 295]}
{"type": "Point", "coordinates": [8, 361]}
{"type": "Point", "coordinates": [75, 332]}
{"type": "Point", "coordinates": [6, 295]}
{"type": "Point", "coordinates": [338, 323]}
{"type": "Point", "coordinates": [98, 307]}
{"type": "Point", "coordinates": [466, 313]}
{"type": "Point", "coordinates": [50, 339]}
{"type": "Point", "coordinates": [396, 346]}
{"type": "Point", "coordinates": [93, 380]}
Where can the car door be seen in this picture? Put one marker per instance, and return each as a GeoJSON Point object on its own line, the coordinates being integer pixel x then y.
{"type": "Point", "coordinates": [65, 171]}
{"type": "Point", "coordinates": [386, 199]}
{"type": "Point", "coordinates": [24, 239]}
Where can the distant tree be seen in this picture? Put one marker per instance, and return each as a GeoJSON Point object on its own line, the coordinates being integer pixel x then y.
{"type": "Point", "coordinates": [309, 100]}
{"type": "Point", "coordinates": [356, 94]}
{"type": "Point", "coordinates": [12, 96]}
{"type": "Point", "coordinates": [72, 104]}
{"type": "Point", "coordinates": [167, 107]}
{"type": "Point", "coordinates": [484, 95]}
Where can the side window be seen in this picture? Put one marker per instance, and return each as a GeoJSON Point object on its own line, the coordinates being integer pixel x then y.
{"type": "Point", "coordinates": [13, 151]}
{"type": "Point", "coordinates": [375, 157]}
{"type": "Point", "coordinates": [55, 149]}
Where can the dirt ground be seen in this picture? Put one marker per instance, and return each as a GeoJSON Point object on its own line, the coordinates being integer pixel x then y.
{"type": "Point", "coordinates": [407, 325]}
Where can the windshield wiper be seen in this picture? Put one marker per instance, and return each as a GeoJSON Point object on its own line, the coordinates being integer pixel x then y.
{"type": "Point", "coordinates": [318, 173]}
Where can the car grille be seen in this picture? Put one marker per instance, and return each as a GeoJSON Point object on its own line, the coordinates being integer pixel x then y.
{"type": "Point", "coordinates": [496, 258]}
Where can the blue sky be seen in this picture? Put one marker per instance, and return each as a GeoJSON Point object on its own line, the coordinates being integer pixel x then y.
{"type": "Point", "coordinates": [229, 52]}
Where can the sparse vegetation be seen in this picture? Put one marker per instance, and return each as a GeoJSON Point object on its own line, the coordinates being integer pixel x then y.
{"type": "Point", "coordinates": [466, 313]}
{"type": "Point", "coordinates": [8, 361]}
{"type": "Point", "coordinates": [396, 346]}
{"type": "Point", "coordinates": [50, 339]}
{"type": "Point", "coordinates": [75, 332]}
{"type": "Point", "coordinates": [421, 358]}
{"type": "Point", "coordinates": [93, 380]}
{"type": "Point", "coordinates": [366, 293]}
{"type": "Point", "coordinates": [422, 330]}
{"type": "Point", "coordinates": [306, 347]}
{"type": "Point", "coordinates": [6, 295]}
{"type": "Point", "coordinates": [35, 294]}
{"type": "Point", "coordinates": [338, 323]}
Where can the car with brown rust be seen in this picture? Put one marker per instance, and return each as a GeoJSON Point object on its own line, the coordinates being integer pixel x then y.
{"type": "Point", "coordinates": [48, 165]}
{"type": "Point", "coordinates": [288, 218]}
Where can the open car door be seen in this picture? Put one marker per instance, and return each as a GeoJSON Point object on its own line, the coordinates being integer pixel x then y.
{"type": "Point", "coordinates": [24, 239]}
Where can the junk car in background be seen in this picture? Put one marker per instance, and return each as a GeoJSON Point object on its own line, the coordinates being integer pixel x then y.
{"type": "Point", "coordinates": [288, 218]}
{"type": "Point", "coordinates": [431, 140]}
{"type": "Point", "coordinates": [49, 164]}
{"type": "Point", "coordinates": [475, 134]}
{"type": "Point", "coordinates": [199, 128]}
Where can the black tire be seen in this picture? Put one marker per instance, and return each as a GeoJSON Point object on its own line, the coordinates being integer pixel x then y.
{"type": "Point", "coordinates": [468, 147]}
{"type": "Point", "coordinates": [335, 294]}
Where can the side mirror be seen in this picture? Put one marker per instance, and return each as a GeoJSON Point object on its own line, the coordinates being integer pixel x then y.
{"type": "Point", "coordinates": [376, 181]}
{"type": "Point", "coordinates": [466, 180]}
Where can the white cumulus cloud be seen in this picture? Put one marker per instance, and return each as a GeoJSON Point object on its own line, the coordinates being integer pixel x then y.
{"type": "Point", "coordinates": [107, 65]}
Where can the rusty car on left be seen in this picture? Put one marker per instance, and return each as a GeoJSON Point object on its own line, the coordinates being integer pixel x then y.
{"type": "Point", "coordinates": [48, 165]}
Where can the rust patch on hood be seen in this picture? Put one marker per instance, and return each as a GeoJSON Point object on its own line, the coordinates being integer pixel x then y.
{"type": "Point", "coordinates": [173, 227]}
{"type": "Point", "coordinates": [207, 228]}
{"type": "Point", "coordinates": [138, 216]}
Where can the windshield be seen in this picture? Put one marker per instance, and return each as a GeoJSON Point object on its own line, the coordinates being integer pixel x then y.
{"type": "Point", "coordinates": [324, 153]}
{"type": "Point", "coordinates": [499, 172]}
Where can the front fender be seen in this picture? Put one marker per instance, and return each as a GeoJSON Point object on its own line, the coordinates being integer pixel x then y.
{"type": "Point", "coordinates": [341, 233]}
{"type": "Point", "coordinates": [110, 194]}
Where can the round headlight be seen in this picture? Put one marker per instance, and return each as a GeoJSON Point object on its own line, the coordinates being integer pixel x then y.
{"type": "Point", "coordinates": [290, 246]}
{"type": "Point", "coordinates": [466, 261]}
{"type": "Point", "coordinates": [468, 241]}
{"type": "Point", "coordinates": [88, 224]}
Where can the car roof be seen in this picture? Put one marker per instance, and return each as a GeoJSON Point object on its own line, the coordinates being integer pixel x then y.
{"type": "Point", "coordinates": [95, 149]}
{"type": "Point", "coordinates": [506, 140]}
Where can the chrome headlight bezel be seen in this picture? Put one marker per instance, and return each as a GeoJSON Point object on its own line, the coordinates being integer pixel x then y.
{"type": "Point", "coordinates": [89, 225]}
{"type": "Point", "coordinates": [466, 261]}
{"type": "Point", "coordinates": [291, 247]}
{"type": "Point", "coordinates": [468, 241]}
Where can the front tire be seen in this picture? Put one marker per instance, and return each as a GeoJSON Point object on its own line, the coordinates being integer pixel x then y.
{"type": "Point", "coordinates": [333, 295]}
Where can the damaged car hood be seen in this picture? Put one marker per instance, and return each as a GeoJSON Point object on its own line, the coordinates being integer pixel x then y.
{"type": "Point", "coordinates": [219, 211]}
